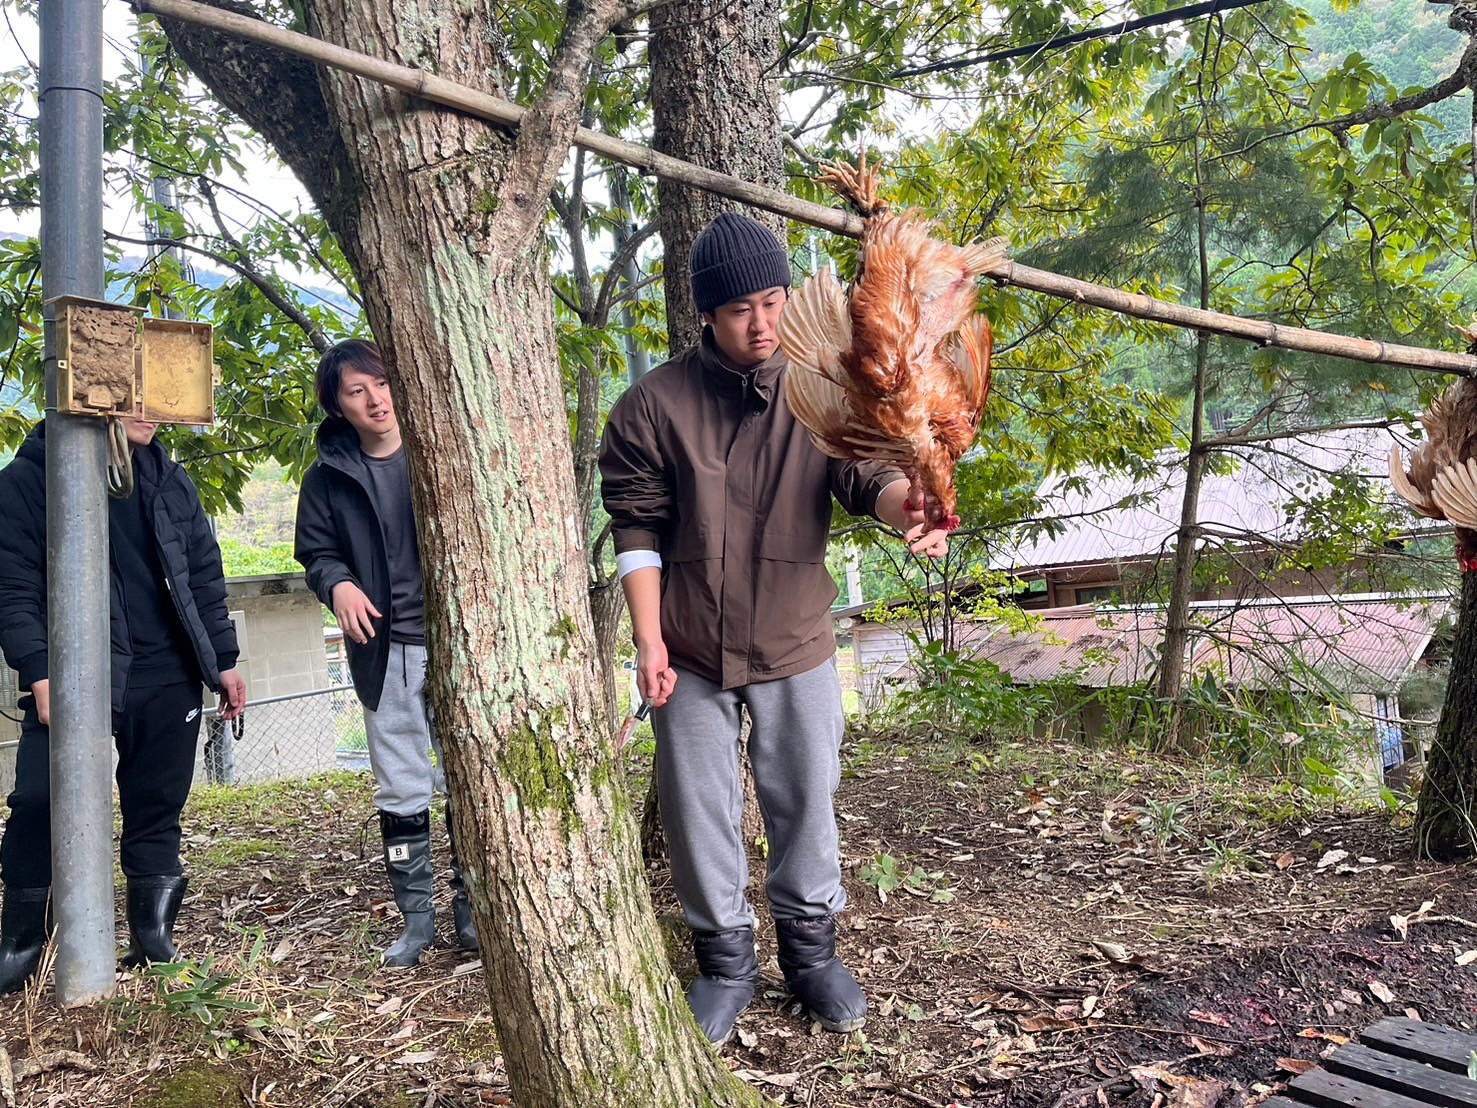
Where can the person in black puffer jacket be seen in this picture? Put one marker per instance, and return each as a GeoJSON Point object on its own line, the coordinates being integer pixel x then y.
{"type": "Point", "coordinates": [170, 634]}
{"type": "Point", "coordinates": [356, 539]}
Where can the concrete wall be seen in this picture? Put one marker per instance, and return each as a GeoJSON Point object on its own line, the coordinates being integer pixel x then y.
{"type": "Point", "coordinates": [279, 625]}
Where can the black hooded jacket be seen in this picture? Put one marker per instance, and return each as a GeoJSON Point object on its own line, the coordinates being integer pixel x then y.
{"type": "Point", "coordinates": [340, 538]}
{"type": "Point", "coordinates": [186, 548]}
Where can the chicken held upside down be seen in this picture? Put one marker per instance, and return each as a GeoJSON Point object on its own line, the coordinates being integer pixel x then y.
{"type": "Point", "coordinates": [897, 368]}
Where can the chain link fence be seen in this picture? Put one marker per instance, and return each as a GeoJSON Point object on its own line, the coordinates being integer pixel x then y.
{"type": "Point", "coordinates": [284, 737]}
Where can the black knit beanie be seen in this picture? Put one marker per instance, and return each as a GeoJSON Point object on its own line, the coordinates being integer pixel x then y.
{"type": "Point", "coordinates": [736, 256]}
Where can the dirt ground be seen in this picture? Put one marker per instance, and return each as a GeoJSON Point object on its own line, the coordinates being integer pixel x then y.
{"type": "Point", "coordinates": [1035, 927]}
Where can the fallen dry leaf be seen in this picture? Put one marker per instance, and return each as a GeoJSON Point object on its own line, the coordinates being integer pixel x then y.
{"type": "Point", "coordinates": [1285, 861]}
{"type": "Point", "coordinates": [390, 1007]}
{"type": "Point", "coordinates": [1212, 1050]}
{"type": "Point", "coordinates": [1329, 1036]}
{"type": "Point", "coordinates": [1117, 953]}
{"type": "Point", "coordinates": [1198, 1094]}
{"type": "Point", "coordinates": [1466, 958]}
{"type": "Point", "coordinates": [1332, 858]}
{"type": "Point", "coordinates": [1032, 1024]}
{"type": "Point", "coordinates": [416, 1058]}
{"type": "Point", "coordinates": [1208, 1017]}
{"type": "Point", "coordinates": [1382, 991]}
{"type": "Point", "coordinates": [1184, 1092]}
{"type": "Point", "coordinates": [1295, 1066]}
{"type": "Point", "coordinates": [759, 1077]}
{"type": "Point", "coordinates": [1402, 923]}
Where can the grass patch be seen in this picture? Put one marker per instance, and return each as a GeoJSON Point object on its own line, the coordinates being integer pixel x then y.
{"type": "Point", "coordinates": [274, 802]}
{"type": "Point", "coordinates": [231, 852]}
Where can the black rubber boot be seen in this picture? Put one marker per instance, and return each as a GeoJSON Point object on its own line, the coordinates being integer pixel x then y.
{"type": "Point", "coordinates": [816, 977]}
{"type": "Point", "coordinates": [22, 936]}
{"type": "Point", "coordinates": [725, 986]}
{"type": "Point", "coordinates": [153, 904]}
{"type": "Point", "coordinates": [408, 861]}
{"type": "Point", "coordinates": [461, 907]}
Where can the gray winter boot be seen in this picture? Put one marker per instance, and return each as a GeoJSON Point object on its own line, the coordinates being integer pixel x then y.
{"type": "Point", "coordinates": [408, 861]}
{"type": "Point", "coordinates": [816, 977]}
{"type": "Point", "coordinates": [725, 987]}
{"type": "Point", "coordinates": [461, 907]}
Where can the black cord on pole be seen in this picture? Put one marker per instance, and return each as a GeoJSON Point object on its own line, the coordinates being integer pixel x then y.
{"type": "Point", "coordinates": [1190, 11]}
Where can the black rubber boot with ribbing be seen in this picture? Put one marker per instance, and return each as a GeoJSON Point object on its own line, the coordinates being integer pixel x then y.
{"type": "Point", "coordinates": [728, 971]}
{"type": "Point", "coordinates": [413, 880]}
{"type": "Point", "coordinates": [816, 977]}
{"type": "Point", "coordinates": [23, 933]}
{"type": "Point", "coordinates": [461, 906]}
{"type": "Point", "coordinates": [153, 904]}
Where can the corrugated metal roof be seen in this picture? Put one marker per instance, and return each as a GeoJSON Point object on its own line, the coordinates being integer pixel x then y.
{"type": "Point", "coordinates": [1113, 517]}
{"type": "Point", "coordinates": [1354, 643]}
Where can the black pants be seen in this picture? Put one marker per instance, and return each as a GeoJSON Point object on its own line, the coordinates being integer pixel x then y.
{"type": "Point", "coordinates": [156, 735]}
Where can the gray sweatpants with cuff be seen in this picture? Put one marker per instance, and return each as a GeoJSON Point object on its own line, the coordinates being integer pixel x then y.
{"type": "Point", "coordinates": [794, 747]}
{"type": "Point", "coordinates": [402, 737]}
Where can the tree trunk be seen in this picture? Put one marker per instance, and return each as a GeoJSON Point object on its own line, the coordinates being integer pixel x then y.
{"type": "Point", "coordinates": [1446, 814]}
{"type": "Point", "coordinates": [1177, 628]}
{"type": "Point", "coordinates": [712, 105]}
{"type": "Point", "coordinates": [442, 218]}
{"type": "Point", "coordinates": [1177, 614]}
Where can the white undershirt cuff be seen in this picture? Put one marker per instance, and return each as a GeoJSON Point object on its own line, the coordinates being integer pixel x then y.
{"type": "Point", "coordinates": [899, 481]}
{"type": "Point", "coordinates": [632, 560]}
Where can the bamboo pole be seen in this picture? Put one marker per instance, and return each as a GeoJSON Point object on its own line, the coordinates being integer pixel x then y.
{"type": "Point", "coordinates": [438, 90]}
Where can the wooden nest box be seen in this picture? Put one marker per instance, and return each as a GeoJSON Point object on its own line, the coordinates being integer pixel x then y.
{"type": "Point", "coordinates": [112, 360]}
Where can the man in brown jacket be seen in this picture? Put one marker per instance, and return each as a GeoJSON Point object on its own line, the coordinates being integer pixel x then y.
{"type": "Point", "coordinates": [721, 509]}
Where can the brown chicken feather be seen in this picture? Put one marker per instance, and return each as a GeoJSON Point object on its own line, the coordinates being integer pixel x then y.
{"type": "Point", "coordinates": [897, 368]}
{"type": "Point", "coordinates": [1440, 479]}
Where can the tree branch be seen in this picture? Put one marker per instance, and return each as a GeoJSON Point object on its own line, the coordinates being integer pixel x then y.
{"type": "Point", "coordinates": [629, 13]}
{"type": "Point", "coordinates": [281, 303]}
{"type": "Point", "coordinates": [601, 315]}
{"type": "Point", "coordinates": [261, 281]}
{"type": "Point", "coordinates": [1442, 90]}
{"type": "Point", "coordinates": [278, 95]}
{"type": "Point", "coordinates": [1006, 272]}
{"type": "Point", "coordinates": [547, 129]}
{"type": "Point", "coordinates": [1297, 432]}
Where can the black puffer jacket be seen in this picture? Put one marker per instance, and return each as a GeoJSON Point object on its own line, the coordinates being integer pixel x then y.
{"type": "Point", "coordinates": [186, 548]}
{"type": "Point", "coordinates": [340, 538]}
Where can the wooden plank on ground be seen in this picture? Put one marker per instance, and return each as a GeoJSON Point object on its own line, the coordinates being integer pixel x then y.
{"type": "Point", "coordinates": [1322, 1089]}
{"type": "Point", "coordinates": [1400, 1075]}
{"type": "Point", "coordinates": [1443, 1047]}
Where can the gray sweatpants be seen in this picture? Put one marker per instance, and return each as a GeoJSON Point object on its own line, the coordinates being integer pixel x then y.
{"type": "Point", "coordinates": [794, 747]}
{"type": "Point", "coordinates": [402, 737]}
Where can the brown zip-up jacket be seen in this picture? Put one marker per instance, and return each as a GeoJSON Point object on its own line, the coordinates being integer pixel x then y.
{"type": "Point", "coordinates": [708, 467]}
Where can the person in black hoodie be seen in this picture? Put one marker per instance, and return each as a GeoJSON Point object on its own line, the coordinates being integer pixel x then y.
{"type": "Point", "coordinates": [356, 539]}
{"type": "Point", "coordinates": [170, 634]}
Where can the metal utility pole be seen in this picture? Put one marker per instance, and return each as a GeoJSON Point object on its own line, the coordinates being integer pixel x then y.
{"type": "Point", "coordinates": [77, 514]}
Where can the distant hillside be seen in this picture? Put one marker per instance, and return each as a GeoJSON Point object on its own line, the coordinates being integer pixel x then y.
{"type": "Point", "coordinates": [1406, 41]}
{"type": "Point", "coordinates": [270, 503]}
